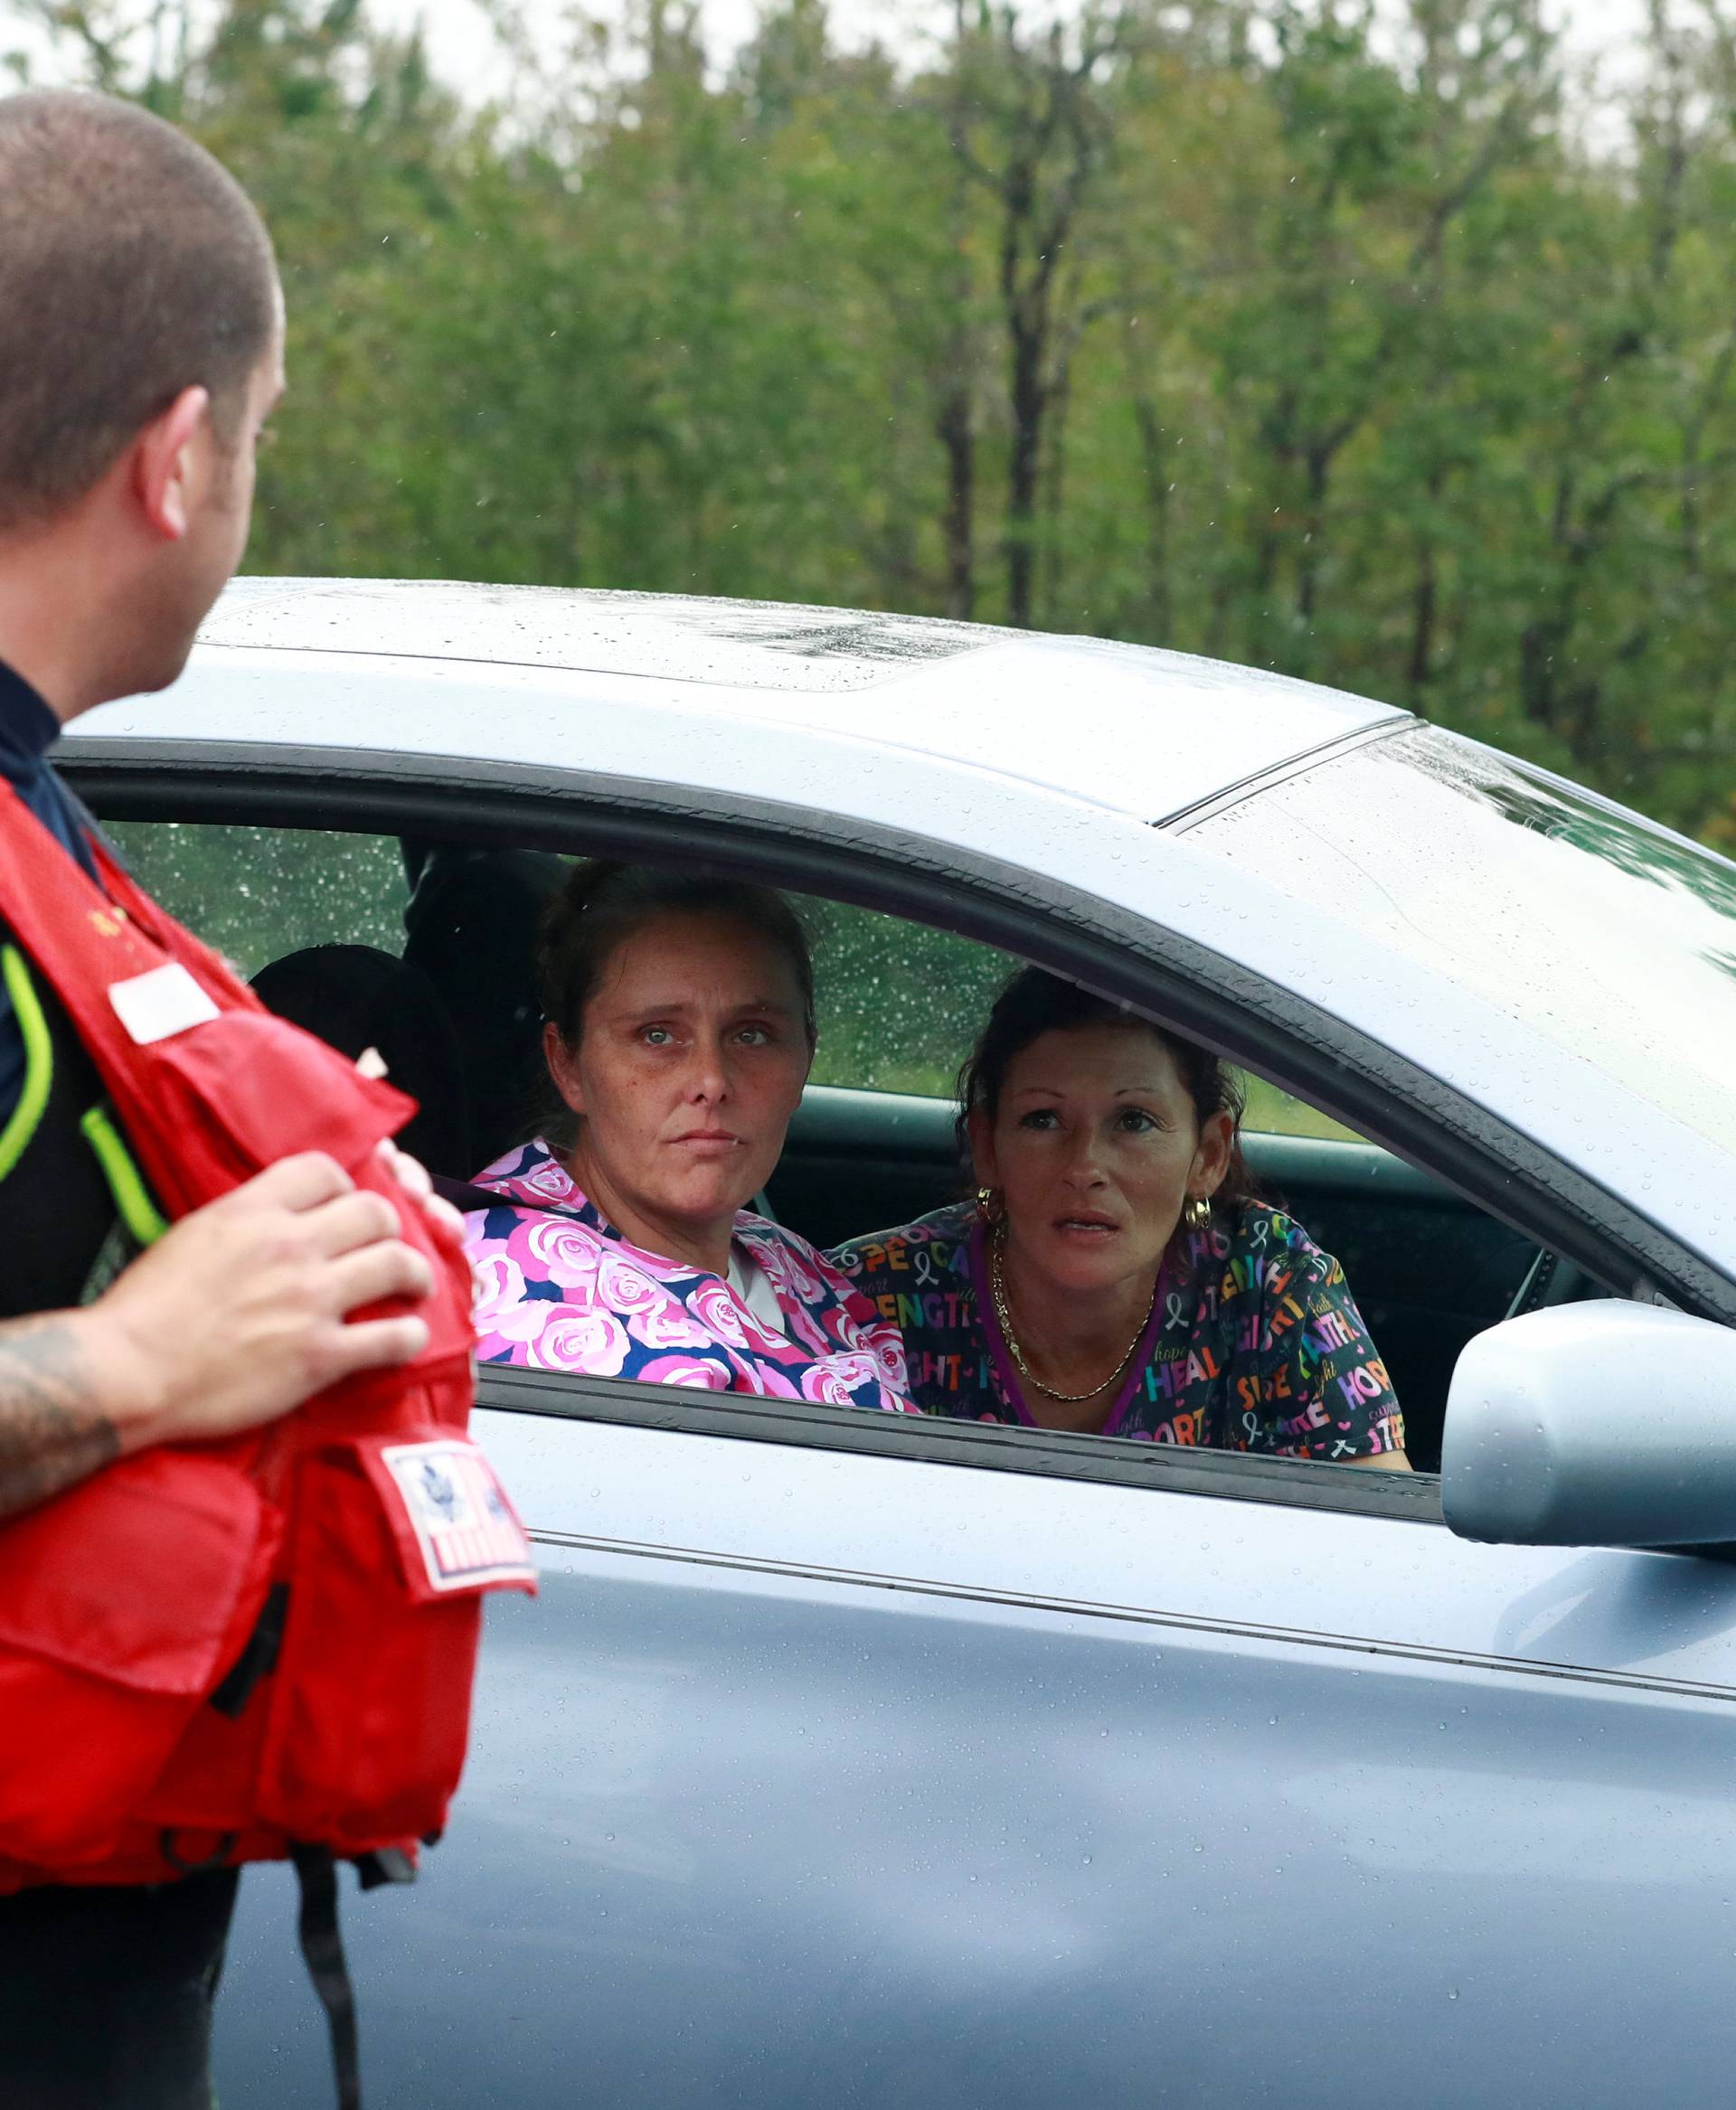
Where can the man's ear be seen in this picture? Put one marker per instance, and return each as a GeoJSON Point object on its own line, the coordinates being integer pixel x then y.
{"type": "Point", "coordinates": [165, 465]}
{"type": "Point", "coordinates": [563, 1069]}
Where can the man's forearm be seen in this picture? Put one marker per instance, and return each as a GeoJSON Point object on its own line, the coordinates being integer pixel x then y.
{"type": "Point", "coordinates": [54, 1429]}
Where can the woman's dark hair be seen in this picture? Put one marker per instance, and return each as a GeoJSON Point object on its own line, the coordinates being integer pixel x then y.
{"type": "Point", "coordinates": [606, 901]}
{"type": "Point", "coordinates": [1034, 1002]}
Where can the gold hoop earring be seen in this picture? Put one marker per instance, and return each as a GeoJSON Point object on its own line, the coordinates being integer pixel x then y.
{"type": "Point", "coordinates": [989, 1204]}
{"type": "Point", "coordinates": [1197, 1215]}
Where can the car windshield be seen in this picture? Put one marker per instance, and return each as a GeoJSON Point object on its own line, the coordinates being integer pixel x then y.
{"type": "Point", "coordinates": [1586, 924]}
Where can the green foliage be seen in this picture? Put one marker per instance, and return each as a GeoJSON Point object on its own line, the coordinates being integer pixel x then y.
{"type": "Point", "coordinates": [257, 893]}
{"type": "Point", "coordinates": [1307, 335]}
{"type": "Point", "coordinates": [899, 1005]}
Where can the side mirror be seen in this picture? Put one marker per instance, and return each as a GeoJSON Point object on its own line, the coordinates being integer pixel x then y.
{"type": "Point", "coordinates": [1593, 1425]}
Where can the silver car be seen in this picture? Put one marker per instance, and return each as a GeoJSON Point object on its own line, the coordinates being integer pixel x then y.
{"type": "Point", "coordinates": [912, 1765]}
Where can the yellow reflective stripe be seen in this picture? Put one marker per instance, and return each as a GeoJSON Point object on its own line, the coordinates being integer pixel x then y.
{"type": "Point", "coordinates": [39, 1060]}
{"type": "Point", "coordinates": [126, 1181]}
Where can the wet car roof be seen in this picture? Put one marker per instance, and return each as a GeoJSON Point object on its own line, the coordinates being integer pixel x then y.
{"type": "Point", "coordinates": [736, 643]}
{"type": "Point", "coordinates": [507, 674]}
{"type": "Point", "coordinates": [1132, 728]}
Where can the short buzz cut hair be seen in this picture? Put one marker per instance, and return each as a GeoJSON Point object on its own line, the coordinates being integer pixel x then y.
{"type": "Point", "coordinates": [132, 266]}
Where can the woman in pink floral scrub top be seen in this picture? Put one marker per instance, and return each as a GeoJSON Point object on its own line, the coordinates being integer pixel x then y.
{"type": "Point", "coordinates": [679, 1033]}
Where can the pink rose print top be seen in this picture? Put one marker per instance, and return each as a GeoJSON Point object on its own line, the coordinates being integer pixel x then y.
{"type": "Point", "coordinates": [559, 1288]}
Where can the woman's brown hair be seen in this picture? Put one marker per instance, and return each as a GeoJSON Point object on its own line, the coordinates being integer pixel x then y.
{"type": "Point", "coordinates": [605, 901]}
{"type": "Point", "coordinates": [1034, 1002]}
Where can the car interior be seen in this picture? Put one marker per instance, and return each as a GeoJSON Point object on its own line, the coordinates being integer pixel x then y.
{"type": "Point", "coordinates": [448, 997]}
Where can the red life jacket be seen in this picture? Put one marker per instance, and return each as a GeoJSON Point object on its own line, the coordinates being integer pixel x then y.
{"type": "Point", "coordinates": [218, 1653]}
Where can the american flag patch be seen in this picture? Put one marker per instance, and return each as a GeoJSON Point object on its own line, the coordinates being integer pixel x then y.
{"type": "Point", "coordinates": [469, 1535]}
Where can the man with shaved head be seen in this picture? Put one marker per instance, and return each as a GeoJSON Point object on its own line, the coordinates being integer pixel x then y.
{"type": "Point", "coordinates": [141, 352]}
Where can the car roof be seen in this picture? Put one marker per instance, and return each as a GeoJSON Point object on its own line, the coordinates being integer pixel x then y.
{"type": "Point", "coordinates": [1139, 730]}
{"type": "Point", "coordinates": [937, 746]}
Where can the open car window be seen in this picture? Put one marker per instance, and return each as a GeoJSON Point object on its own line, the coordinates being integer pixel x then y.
{"type": "Point", "coordinates": [899, 1002]}
{"type": "Point", "coordinates": [873, 1145]}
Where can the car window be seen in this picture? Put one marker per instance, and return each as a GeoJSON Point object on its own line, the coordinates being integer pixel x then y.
{"type": "Point", "coordinates": [1271, 1112]}
{"type": "Point", "coordinates": [900, 1006]}
{"type": "Point", "coordinates": [257, 893]}
{"type": "Point", "coordinates": [874, 1147]}
{"type": "Point", "coordinates": [1595, 930]}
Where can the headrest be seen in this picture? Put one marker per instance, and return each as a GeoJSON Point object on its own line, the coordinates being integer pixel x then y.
{"type": "Point", "coordinates": [354, 997]}
{"type": "Point", "coordinates": [471, 926]}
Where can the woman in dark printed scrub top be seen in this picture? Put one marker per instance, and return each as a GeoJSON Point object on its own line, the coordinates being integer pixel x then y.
{"type": "Point", "coordinates": [1115, 1276]}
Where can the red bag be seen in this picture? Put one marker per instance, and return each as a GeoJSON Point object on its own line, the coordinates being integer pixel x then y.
{"type": "Point", "coordinates": [218, 1653]}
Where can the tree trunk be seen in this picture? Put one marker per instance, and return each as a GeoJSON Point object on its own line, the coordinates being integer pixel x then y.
{"type": "Point", "coordinates": [1425, 597]}
{"type": "Point", "coordinates": [1423, 621]}
{"type": "Point", "coordinates": [1028, 400]}
{"type": "Point", "coordinates": [1313, 528]}
{"type": "Point", "coordinates": [1054, 502]}
{"type": "Point", "coordinates": [956, 431]}
{"type": "Point", "coordinates": [1152, 462]}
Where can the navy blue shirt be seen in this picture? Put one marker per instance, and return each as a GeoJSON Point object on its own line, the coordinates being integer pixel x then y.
{"type": "Point", "coordinates": [28, 729]}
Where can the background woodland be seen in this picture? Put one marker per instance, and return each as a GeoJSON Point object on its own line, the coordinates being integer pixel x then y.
{"type": "Point", "coordinates": [1371, 344]}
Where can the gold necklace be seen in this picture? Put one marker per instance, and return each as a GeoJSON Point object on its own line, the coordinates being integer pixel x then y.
{"type": "Point", "coordinates": [997, 1284]}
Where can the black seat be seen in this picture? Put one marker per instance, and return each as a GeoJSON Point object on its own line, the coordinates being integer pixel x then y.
{"type": "Point", "coordinates": [355, 998]}
{"type": "Point", "coordinates": [470, 927]}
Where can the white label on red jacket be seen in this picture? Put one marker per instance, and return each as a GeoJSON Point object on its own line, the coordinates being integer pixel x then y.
{"type": "Point", "coordinates": [166, 1000]}
{"type": "Point", "coordinates": [463, 1521]}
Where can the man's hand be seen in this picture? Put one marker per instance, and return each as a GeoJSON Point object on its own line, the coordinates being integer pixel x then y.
{"type": "Point", "coordinates": [411, 1175]}
{"type": "Point", "coordinates": [236, 1315]}
{"type": "Point", "coordinates": [240, 1312]}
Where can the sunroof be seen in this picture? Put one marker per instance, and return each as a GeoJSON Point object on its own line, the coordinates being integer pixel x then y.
{"type": "Point", "coordinates": [828, 634]}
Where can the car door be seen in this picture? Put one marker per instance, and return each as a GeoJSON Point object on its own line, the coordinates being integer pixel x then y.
{"type": "Point", "coordinates": [955, 1768]}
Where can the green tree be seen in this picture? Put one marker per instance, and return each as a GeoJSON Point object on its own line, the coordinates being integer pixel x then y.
{"type": "Point", "coordinates": [1357, 342]}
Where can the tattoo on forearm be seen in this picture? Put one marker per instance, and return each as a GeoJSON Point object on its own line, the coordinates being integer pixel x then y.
{"type": "Point", "coordinates": [50, 1433]}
